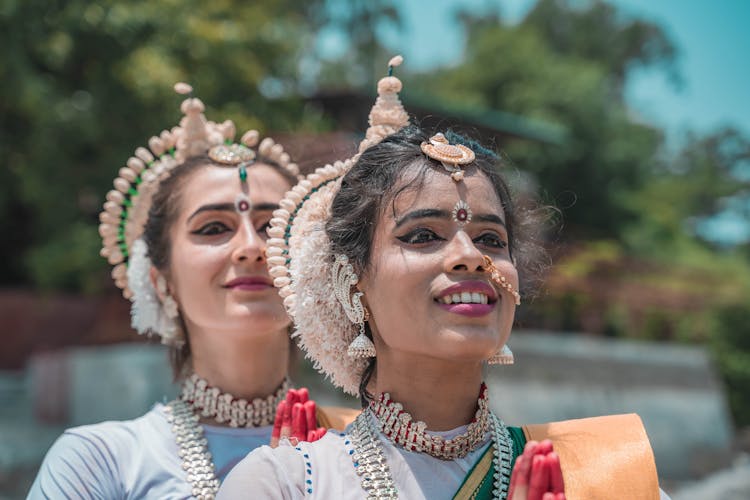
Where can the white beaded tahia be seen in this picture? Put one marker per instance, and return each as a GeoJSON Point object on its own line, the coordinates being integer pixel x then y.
{"type": "Point", "coordinates": [369, 460]}
{"type": "Point", "coordinates": [196, 459]}
{"type": "Point", "coordinates": [210, 402]}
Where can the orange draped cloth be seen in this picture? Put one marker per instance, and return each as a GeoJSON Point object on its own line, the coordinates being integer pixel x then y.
{"type": "Point", "coordinates": [602, 457]}
{"type": "Point", "coordinates": [336, 417]}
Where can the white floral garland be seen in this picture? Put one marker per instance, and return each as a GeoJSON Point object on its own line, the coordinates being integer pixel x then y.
{"type": "Point", "coordinates": [147, 314]}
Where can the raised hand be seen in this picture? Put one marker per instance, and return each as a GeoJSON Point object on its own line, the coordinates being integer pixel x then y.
{"type": "Point", "coordinates": [537, 474]}
{"type": "Point", "coordinates": [296, 419]}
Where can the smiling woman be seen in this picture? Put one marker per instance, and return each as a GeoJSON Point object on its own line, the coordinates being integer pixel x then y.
{"type": "Point", "coordinates": [401, 269]}
{"type": "Point", "coordinates": [185, 228]}
{"type": "Point", "coordinates": [199, 236]}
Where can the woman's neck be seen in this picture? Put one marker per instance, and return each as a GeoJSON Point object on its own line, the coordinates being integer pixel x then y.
{"type": "Point", "coordinates": [245, 364]}
{"type": "Point", "coordinates": [440, 393]}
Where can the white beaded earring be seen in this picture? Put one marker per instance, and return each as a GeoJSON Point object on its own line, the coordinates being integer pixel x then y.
{"type": "Point", "coordinates": [171, 327]}
{"type": "Point", "coordinates": [502, 357]}
{"type": "Point", "coordinates": [344, 278]}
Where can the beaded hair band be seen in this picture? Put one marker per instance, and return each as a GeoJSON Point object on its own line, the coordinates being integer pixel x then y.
{"type": "Point", "coordinates": [299, 252]}
{"type": "Point", "coordinates": [125, 211]}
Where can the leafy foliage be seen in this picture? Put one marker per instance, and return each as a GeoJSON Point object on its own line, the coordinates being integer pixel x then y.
{"type": "Point", "coordinates": [553, 68]}
{"type": "Point", "coordinates": [83, 83]}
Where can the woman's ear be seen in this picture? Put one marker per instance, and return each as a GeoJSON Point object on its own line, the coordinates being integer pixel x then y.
{"type": "Point", "coordinates": [159, 283]}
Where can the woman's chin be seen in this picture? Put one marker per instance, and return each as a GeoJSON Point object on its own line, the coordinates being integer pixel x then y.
{"type": "Point", "coordinates": [258, 315]}
{"type": "Point", "coordinates": [463, 346]}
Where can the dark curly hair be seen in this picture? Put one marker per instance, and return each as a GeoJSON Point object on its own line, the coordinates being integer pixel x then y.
{"type": "Point", "coordinates": [374, 182]}
{"type": "Point", "coordinates": [165, 208]}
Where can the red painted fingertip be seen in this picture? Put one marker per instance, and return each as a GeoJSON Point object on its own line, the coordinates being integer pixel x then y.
{"type": "Point", "coordinates": [544, 447]}
{"type": "Point", "coordinates": [277, 421]}
{"type": "Point", "coordinates": [311, 414]}
{"type": "Point", "coordinates": [299, 422]}
{"type": "Point", "coordinates": [557, 485]}
{"type": "Point", "coordinates": [539, 481]}
{"type": "Point", "coordinates": [286, 421]}
{"type": "Point", "coordinates": [292, 397]}
{"type": "Point", "coordinates": [303, 394]}
{"type": "Point", "coordinates": [530, 447]}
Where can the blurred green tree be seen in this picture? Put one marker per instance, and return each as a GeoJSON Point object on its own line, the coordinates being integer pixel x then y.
{"type": "Point", "coordinates": [566, 65]}
{"type": "Point", "coordinates": [86, 82]}
{"type": "Point", "coordinates": [352, 55]}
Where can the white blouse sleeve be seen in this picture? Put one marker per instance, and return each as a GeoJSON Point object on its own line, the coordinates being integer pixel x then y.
{"type": "Point", "coordinates": [266, 473]}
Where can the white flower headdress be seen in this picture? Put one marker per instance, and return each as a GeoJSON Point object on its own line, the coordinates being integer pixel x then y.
{"type": "Point", "coordinates": [127, 206]}
{"type": "Point", "coordinates": [300, 257]}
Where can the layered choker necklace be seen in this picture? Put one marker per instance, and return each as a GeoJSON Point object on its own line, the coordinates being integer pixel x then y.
{"type": "Point", "coordinates": [198, 399]}
{"type": "Point", "coordinates": [210, 402]}
{"type": "Point", "coordinates": [399, 427]}
{"type": "Point", "coordinates": [388, 417]}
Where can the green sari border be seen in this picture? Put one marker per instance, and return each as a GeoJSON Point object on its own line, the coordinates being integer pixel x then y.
{"type": "Point", "coordinates": [479, 481]}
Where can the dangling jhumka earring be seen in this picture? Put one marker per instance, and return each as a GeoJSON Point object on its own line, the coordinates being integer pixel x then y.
{"type": "Point", "coordinates": [344, 278]}
{"type": "Point", "coordinates": [502, 357]}
{"type": "Point", "coordinates": [171, 310]}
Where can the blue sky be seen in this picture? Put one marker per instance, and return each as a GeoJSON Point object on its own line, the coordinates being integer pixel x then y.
{"type": "Point", "coordinates": [712, 37]}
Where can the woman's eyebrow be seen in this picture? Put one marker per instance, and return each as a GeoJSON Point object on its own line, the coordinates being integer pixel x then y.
{"type": "Point", "coordinates": [432, 213]}
{"type": "Point", "coordinates": [223, 207]}
{"type": "Point", "coordinates": [423, 213]}
{"type": "Point", "coordinates": [493, 218]}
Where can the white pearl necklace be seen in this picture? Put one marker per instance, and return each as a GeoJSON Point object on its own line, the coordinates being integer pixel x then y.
{"type": "Point", "coordinates": [210, 402]}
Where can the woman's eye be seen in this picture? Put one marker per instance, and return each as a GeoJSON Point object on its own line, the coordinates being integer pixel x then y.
{"type": "Point", "coordinates": [211, 229]}
{"type": "Point", "coordinates": [492, 240]}
{"type": "Point", "coordinates": [419, 236]}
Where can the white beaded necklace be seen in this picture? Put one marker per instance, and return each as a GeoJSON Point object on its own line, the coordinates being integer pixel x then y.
{"type": "Point", "coordinates": [199, 399]}
{"type": "Point", "coordinates": [371, 465]}
{"type": "Point", "coordinates": [223, 407]}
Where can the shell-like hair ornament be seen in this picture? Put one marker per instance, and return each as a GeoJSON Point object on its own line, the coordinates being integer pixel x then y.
{"type": "Point", "coordinates": [126, 208]}
{"type": "Point", "coordinates": [450, 155]}
{"type": "Point", "coordinates": [299, 252]}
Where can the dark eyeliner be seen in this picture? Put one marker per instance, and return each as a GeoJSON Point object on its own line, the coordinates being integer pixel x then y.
{"type": "Point", "coordinates": [204, 230]}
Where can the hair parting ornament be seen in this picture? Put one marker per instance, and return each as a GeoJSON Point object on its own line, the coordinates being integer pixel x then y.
{"type": "Point", "coordinates": [302, 265]}
{"type": "Point", "coordinates": [127, 206]}
{"type": "Point", "coordinates": [451, 156]}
